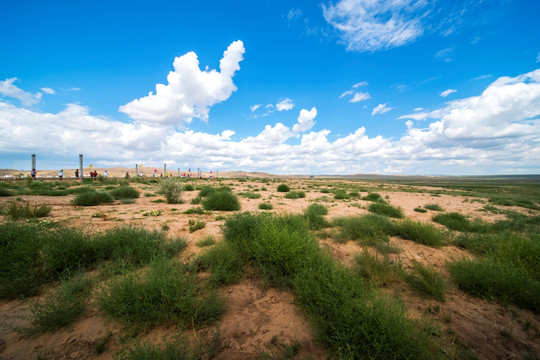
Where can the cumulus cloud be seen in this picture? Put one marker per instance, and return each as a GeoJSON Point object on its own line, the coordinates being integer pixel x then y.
{"type": "Point", "coordinates": [371, 25]}
{"type": "Point", "coordinates": [190, 92]}
{"type": "Point", "coordinates": [254, 107]}
{"type": "Point", "coordinates": [47, 90]}
{"type": "Point", "coordinates": [496, 131]}
{"type": "Point", "coordinates": [445, 93]}
{"type": "Point", "coordinates": [285, 105]}
{"type": "Point", "coordinates": [8, 89]}
{"type": "Point", "coordinates": [305, 121]}
{"type": "Point", "coordinates": [381, 109]}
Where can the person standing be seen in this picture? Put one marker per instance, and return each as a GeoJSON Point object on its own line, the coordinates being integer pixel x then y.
{"type": "Point", "coordinates": [77, 173]}
{"type": "Point", "coordinates": [61, 174]}
{"type": "Point", "coordinates": [105, 173]}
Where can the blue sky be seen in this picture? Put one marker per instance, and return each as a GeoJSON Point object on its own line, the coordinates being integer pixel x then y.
{"type": "Point", "coordinates": [311, 87]}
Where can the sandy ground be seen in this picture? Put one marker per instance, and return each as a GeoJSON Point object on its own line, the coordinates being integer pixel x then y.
{"type": "Point", "coordinates": [257, 318]}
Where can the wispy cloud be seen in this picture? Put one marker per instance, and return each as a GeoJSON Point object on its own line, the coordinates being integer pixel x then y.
{"type": "Point", "coordinates": [285, 104]}
{"type": "Point", "coordinates": [254, 107]}
{"type": "Point", "coordinates": [446, 55]}
{"type": "Point", "coordinates": [445, 93]}
{"type": "Point", "coordinates": [47, 90]}
{"type": "Point", "coordinates": [8, 89]}
{"type": "Point", "coordinates": [359, 96]}
{"type": "Point", "coordinates": [355, 95]}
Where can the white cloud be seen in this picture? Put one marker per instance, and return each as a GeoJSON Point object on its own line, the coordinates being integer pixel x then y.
{"type": "Point", "coordinates": [445, 93]}
{"type": "Point", "coordinates": [359, 96]}
{"type": "Point", "coordinates": [294, 13]}
{"type": "Point", "coordinates": [446, 55]}
{"type": "Point", "coordinates": [8, 89]}
{"type": "Point", "coordinates": [346, 93]}
{"type": "Point", "coordinates": [361, 83]}
{"type": "Point", "coordinates": [482, 77]}
{"type": "Point", "coordinates": [371, 25]}
{"type": "Point", "coordinates": [190, 92]}
{"type": "Point", "coordinates": [254, 107]}
{"type": "Point", "coordinates": [496, 131]}
{"type": "Point", "coordinates": [381, 109]}
{"type": "Point", "coordinates": [305, 121]}
{"type": "Point", "coordinates": [47, 90]}
{"type": "Point", "coordinates": [418, 109]}
{"type": "Point", "coordinates": [285, 105]}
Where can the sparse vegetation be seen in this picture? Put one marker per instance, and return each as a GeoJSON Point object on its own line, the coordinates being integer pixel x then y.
{"type": "Point", "coordinates": [265, 206]}
{"type": "Point", "coordinates": [125, 192]}
{"type": "Point", "coordinates": [171, 188]}
{"type": "Point", "coordinates": [422, 233]}
{"type": "Point", "coordinates": [195, 225]}
{"type": "Point", "coordinates": [93, 198]}
{"type": "Point", "coordinates": [427, 281]}
{"type": "Point", "coordinates": [434, 207]}
{"type": "Point", "coordinates": [221, 200]}
{"type": "Point", "coordinates": [386, 210]}
{"type": "Point", "coordinates": [283, 188]}
{"type": "Point", "coordinates": [16, 210]}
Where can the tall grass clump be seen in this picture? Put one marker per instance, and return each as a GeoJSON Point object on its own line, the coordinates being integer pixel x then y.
{"type": "Point", "coordinates": [5, 192]}
{"type": "Point", "coordinates": [427, 281]}
{"type": "Point", "coordinates": [172, 189]}
{"type": "Point", "coordinates": [368, 229]}
{"type": "Point", "coordinates": [434, 207]}
{"type": "Point", "coordinates": [373, 197]}
{"type": "Point", "coordinates": [221, 200]}
{"type": "Point", "coordinates": [377, 270]}
{"type": "Point", "coordinates": [125, 192]}
{"type": "Point", "coordinates": [266, 206]}
{"type": "Point", "coordinates": [386, 210]}
{"type": "Point", "coordinates": [354, 320]}
{"type": "Point", "coordinates": [165, 294]}
{"type": "Point", "coordinates": [93, 198]}
{"type": "Point", "coordinates": [422, 233]}
{"type": "Point", "coordinates": [291, 195]}
{"type": "Point", "coordinates": [340, 194]}
{"type": "Point", "coordinates": [16, 210]}
{"type": "Point", "coordinates": [314, 213]}
{"type": "Point", "coordinates": [177, 350]}
{"type": "Point", "coordinates": [283, 188]}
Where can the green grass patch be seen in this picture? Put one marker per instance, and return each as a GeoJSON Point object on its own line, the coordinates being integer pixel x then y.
{"type": "Point", "coordinates": [206, 241]}
{"type": "Point", "coordinates": [165, 294]}
{"type": "Point", "coordinates": [377, 270]}
{"type": "Point", "coordinates": [434, 207]}
{"type": "Point", "coordinates": [458, 222]}
{"type": "Point", "coordinates": [291, 195]}
{"type": "Point", "coordinates": [315, 215]}
{"type": "Point", "coordinates": [93, 198]}
{"type": "Point", "coordinates": [125, 192]}
{"type": "Point", "coordinates": [422, 233]}
{"type": "Point", "coordinates": [250, 195]}
{"type": "Point", "coordinates": [427, 281]}
{"type": "Point", "coordinates": [373, 197]}
{"type": "Point", "coordinates": [223, 262]}
{"type": "Point", "coordinates": [385, 210]}
{"type": "Point", "coordinates": [368, 229]}
{"type": "Point", "coordinates": [420, 210]}
{"type": "Point", "coordinates": [195, 225]}
{"type": "Point", "coordinates": [171, 188]}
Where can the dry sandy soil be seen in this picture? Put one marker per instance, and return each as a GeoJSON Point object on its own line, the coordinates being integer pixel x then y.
{"type": "Point", "coordinates": [257, 316]}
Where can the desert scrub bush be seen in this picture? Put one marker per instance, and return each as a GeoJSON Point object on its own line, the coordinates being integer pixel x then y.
{"type": "Point", "coordinates": [373, 197]}
{"type": "Point", "coordinates": [16, 210]}
{"type": "Point", "coordinates": [283, 188]}
{"type": "Point", "coordinates": [458, 222]}
{"type": "Point", "coordinates": [425, 280]}
{"type": "Point", "coordinates": [172, 189]}
{"type": "Point", "coordinates": [195, 225]}
{"type": "Point", "coordinates": [265, 206]}
{"type": "Point", "coordinates": [314, 213]}
{"type": "Point", "coordinates": [377, 270]}
{"type": "Point", "coordinates": [425, 234]}
{"type": "Point", "coordinates": [125, 192]}
{"type": "Point", "coordinates": [386, 210]}
{"type": "Point", "coordinates": [291, 195]}
{"type": "Point", "coordinates": [60, 308]}
{"type": "Point", "coordinates": [368, 229]}
{"type": "Point", "coordinates": [195, 210]}
{"type": "Point", "coordinates": [165, 294]}
{"type": "Point", "coordinates": [206, 241]}
{"type": "Point", "coordinates": [434, 207]}
{"type": "Point", "coordinates": [93, 198]}
{"type": "Point", "coordinates": [223, 262]}
{"type": "Point", "coordinates": [221, 200]}
{"type": "Point", "coordinates": [420, 210]}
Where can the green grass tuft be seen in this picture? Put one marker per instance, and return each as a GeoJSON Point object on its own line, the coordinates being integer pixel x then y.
{"type": "Point", "coordinates": [93, 198]}
{"type": "Point", "coordinates": [386, 210]}
{"type": "Point", "coordinates": [427, 281]}
{"type": "Point", "coordinates": [171, 188]}
{"type": "Point", "coordinates": [221, 200]}
{"type": "Point", "coordinates": [434, 207]}
{"type": "Point", "coordinates": [266, 206]}
{"type": "Point", "coordinates": [422, 233]}
{"type": "Point", "coordinates": [17, 211]}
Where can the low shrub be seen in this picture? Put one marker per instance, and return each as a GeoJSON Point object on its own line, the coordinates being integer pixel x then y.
{"type": "Point", "coordinates": [265, 206]}
{"type": "Point", "coordinates": [378, 270]}
{"type": "Point", "coordinates": [223, 262]}
{"type": "Point", "coordinates": [314, 213]}
{"type": "Point", "coordinates": [206, 241]}
{"type": "Point", "coordinates": [195, 225]}
{"type": "Point", "coordinates": [5, 192]}
{"type": "Point", "coordinates": [221, 200]}
{"type": "Point", "coordinates": [125, 192]}
{"type": "Point", "coordinates": [171, 188]}
{"type": "Point", "coordinates": [420, 210]}
{"type": "Point", "coordinates": [386, 210]}
{"type": "Point", "coordinates": [458, 222]}
{"type": "Point", "coordinates": [291, 195]}
{"type": "Point", "coordinates": [283, 188]}
{"type": "Point", "coordinates": [434, 207]}
{"type": "Point", "coordinates": [373, 197]}
{"type": "Point", "coordinates": [250, 195]}
{"type": "Point", "coordinates": [189, 187]}
{"type": "Point", "coordinates": [93, 198]}
{"type": "Point", "coordinates": [340, 194]}
{"type": "Point", "coordinates": [196, 210]}
{"type": "Point", "coordinates": [368, 229]}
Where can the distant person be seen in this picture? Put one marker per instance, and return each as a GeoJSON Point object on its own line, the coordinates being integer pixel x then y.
{"type": "Point", "coordinates": [105, 173]}
{"type": "Point", "coordinates": [61, 174]}
{"type": "Point", "coordinates": [33, 174]}
{"type": "Point", "coordinates": [142, 174]}
{"type": "Point", "coordinates": [77, 173]}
